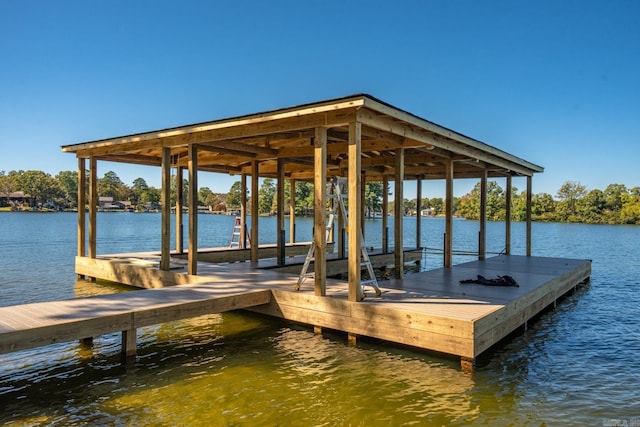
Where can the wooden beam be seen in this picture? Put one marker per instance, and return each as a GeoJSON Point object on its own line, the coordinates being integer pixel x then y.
{"type": "Point", "coordinates": [82, 202]}
{"type": "Point", "coordinates": [259, 125]}
{"type": "Point", "coordinates": [192, 260]}
{"type": "Point", "coordinates": [93, 205]}
{"type": "Point", "coordinates": [243, 212]}
{"type": "Point", "coordinates": [399, 116]}
{"type": "Point", "coordinates": [165, 200]}
{"type": "Point", "coordinates": [241, 146]}
{"type": "Point", "coordinates": [338, 148]}
{"type": "Point", "coordinates": [529, 198]}
{"type": "Point", "coordinates": [129, 345]}
{"type": "Point", "coordinates": [452, 142]}
{"type": "Point", "coordinates": [362, 204]}
{"type": "Point", "coordinates": [398, 219]}
{"type": "Point", "coordinates": [507, 220]}
{"type": "Point", "coordinates": [419, 212]}
{"type": "Point", "coordinates": [448, 211]}
{"type": "Point", "coordinates": [179, 205]}
{"type": "Point", "coordinates": [280, 213]}
{"type": "Point", "coordinates": [482, 239]}
{"type": "Point", "coordinates": [132, 158]}
{"type": "Point", "coordinates": [320, 206]}
{"type": "Point", "coordinates": [292, 211]}
{"type": "Point", "coordinates": [355, 243]}
{"type": "Point", "coordinates": [385, 214]}
{"type": "Point", "coordinates": [254, 210]}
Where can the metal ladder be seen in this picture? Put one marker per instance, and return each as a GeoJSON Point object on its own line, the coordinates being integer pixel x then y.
{"type": "Point", "coordinates": [335, 197]}
{"type": "Point", "coordinates": [237, 232]}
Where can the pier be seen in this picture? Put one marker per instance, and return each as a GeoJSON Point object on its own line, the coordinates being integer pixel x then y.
{"type": "Point", "coordinates": [347, 142]}
{"type": "Point", "coordinates": [428, 310]}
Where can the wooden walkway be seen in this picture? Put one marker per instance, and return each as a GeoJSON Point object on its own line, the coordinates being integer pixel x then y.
{"type": "Point", "coordinates": [429, 310]}
{"type": "Point", "coordinates": [37, 324]}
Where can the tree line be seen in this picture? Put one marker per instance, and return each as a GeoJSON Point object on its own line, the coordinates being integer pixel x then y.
{"type": "Point", "coordinates": [616, 204]}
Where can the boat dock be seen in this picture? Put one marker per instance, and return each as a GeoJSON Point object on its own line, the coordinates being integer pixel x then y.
{"type": "Point", "coordinates": [345, 148]}
{"type": "Point", "coordinates": [429, 310]}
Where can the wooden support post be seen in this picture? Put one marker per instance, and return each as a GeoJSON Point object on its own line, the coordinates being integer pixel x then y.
{"type": "Point", "coordinates": [319, 209]}
{"type": "Point", "coordinates": [165, 200]}
{"type": "Point", "coordinates": [317, 330]}
{"type": "Point", "coordinates": [398, 220]}
{"type": "Point", "coordinates": [179, 205]}
{"type": "Point", "coordinates": [363, 188]}
{"type": "Point", "coordinates": [467, 364]}
{"type": "Point", "coordinates": [352, 339]}
{"type": "Point", "coordinates": [243, 212]}
{"type": "Point", "coordinates": [192, 257]}
{"type": "Point", "coordinates": [355, 243]}
{"type": "Point", "coordinates": [280, 250]}
{"type": "Point", "coordinates": [82, 201]}
{"type": "Point", "coordinates": [93, 205]}
{"type": "Point", "coordinates": [341, 236]}
{"type": "Point", "coordinates": [529, 195]}
{"type": "Point", "coordinates": [507, 219]}
{"type": "Point", "coordinates": [93, 209]}
{"type": "Point", "coordinates": [292, 211]}
{"type": "Point", "coordinates": [448, 211]}
{"type": "Point", "coordinates": [482, 240]}
{"type": "Point", "coordinates": [385, 214]}
{"type": "Point", "coordinates": [419, 212]}
{"type": "Point", "coordinates": [129, 345]}
{"type": "Point", "coordinates": [254, 211]}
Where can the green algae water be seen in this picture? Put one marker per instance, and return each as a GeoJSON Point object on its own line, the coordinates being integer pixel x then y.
{"type": "Point", "coordinates": [575, 364]}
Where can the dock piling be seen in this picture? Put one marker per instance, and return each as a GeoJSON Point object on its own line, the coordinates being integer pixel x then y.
{"type": "Point", "coordinates": [128, 345]}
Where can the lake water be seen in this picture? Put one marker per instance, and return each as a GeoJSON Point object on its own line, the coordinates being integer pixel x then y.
{"type": "Point", "coordinates": [575, 365]}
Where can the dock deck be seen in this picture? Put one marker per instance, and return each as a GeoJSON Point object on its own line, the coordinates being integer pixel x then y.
{"type": "Point", "coordinates": [429, 310]}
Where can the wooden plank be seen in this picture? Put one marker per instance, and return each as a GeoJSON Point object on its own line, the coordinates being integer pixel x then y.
{"type": "Point", "coordinates": [292, 211]}
{"type": "Point", "coordinates": [398, 219]}
{"type": "Point", "coordinates": [320, 206]}
{"type": "Point", "coordinates": [482, 239]}
{"type": "Point", "coordinates": [179, 204]}
{"type": "Point", "coordinates": [280, 213]}
{"type": "Point", "coordinates": [441, 137]}
{"type": "Point", "coordinates": [290, 119]}
{"type": "Point", "coordinates": [192, 262]}
{"type": "Point", "coordinates": [93, 205]}
{"type": "Point", "coordinates": [340, 314]}
{"type": "Point", "coordinates": [340, 265]}
{"type": "Point", "coordinates": [518, 312]}
{"type": "Point", "coordinates": [243, 212]}
{"type": "Point", "coordinates": [254, 211]}
{"type": "Point", "coordinates": [427, 310]}
{"type": "Point", "coordinates": [59, 321]}
{"type": "Point", "coordinates": [528, 220]}
{"type": "Point", "coordinates": [354, 241]}
{"type": "Point", "coordinates": [419, 212]}
{"type": "Point", "coordinates": [385, 214]}
{"type": "Point", "coordinates": [448, 212]}
{"type": "Point", "coordinates": [165, 200]}
{"type": "Point", "coordinates": [219, 304]}
{"type": "Point", "coordinates": [507, 222]}
{"type": "Point", "coordinates": [82, 203]}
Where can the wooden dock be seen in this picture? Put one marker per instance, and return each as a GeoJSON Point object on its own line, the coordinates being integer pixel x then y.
{"type": "Point", "coordinates": [142, 269]}
{"type": "Point", "coordinates": [428, 310]}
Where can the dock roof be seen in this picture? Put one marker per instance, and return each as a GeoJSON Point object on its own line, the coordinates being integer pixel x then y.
{"type": "Point", "coordinates": [230, 145]}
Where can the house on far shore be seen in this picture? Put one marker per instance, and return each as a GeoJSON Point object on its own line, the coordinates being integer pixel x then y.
{"type": "Point", "coordinates": [105, 204]}
{"type": "Point", "coordinates": [15, 199]}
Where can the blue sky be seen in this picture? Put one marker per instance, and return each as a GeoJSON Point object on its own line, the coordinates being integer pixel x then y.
{"type": "Point", "coordinates": [554, 82]}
